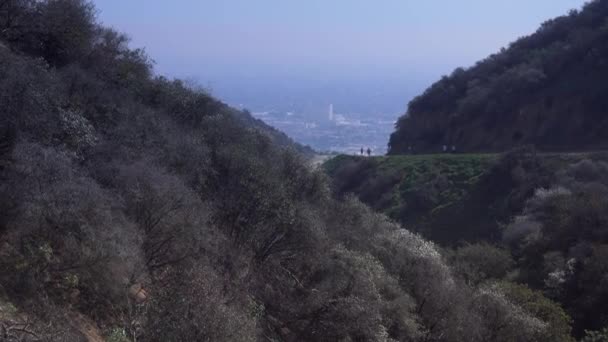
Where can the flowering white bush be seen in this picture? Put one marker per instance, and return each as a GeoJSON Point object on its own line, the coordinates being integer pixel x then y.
{"type": "Point", "coordinates": [78, 131]}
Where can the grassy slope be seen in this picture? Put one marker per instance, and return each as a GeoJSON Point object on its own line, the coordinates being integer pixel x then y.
{"type": "Point", "coordinates": [448, 198]}
{"type": "Point", "coordinates": [461, 171]}
{"type": "Point", "coordinates": [407, 172]}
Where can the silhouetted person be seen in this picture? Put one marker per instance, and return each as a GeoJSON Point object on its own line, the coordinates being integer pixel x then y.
{"type": "Point", "coordinates": [361, 150]}
{"type": "Point", "coordinates": [369, 152]}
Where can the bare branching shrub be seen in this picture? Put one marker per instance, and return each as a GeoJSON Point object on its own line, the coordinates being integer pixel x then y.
{"type": "Point", "coordinates": [557, 322]}
{"type": "Point", "coordinates": [187, 155]}
{"type": "Point", "coordinates": [68, 231]}
{"type": "Point", "coordinates": [353, 223]}
{"type": "Point", "coordinates": [172, 220]}
{"type": "Point", "coordinates": [504, 320]}
{"type": "Point", "coordinates": [442, 303]}
{"type": "Point", "coordinates": [196, 307]}
{"type": "Point", "coordinates": [358, 299]}
{"type": "Point", "coordinates": [480, 262]}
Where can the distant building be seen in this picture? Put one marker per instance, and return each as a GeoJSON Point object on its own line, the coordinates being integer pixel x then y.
{"type": "Point", "coordinates": [331, 112]}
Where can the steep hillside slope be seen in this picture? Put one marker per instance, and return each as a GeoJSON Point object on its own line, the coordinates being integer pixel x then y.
{"type": "Point", "coordinates": [538, 219]}
{"type": "Point", "coordinates": [547, 89]}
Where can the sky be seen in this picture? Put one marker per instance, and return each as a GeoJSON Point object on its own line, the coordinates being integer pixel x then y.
{"type": "Point", "coordinates": [246, 50]}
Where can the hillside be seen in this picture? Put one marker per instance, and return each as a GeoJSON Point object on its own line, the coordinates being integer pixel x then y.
{"type": "Point", "coordinates": [135, 208]}
{"type": "Point", "coordinates": [535, 219]}
{"type": "Point", "coordinates": [546, 89]}
{"type": "Point", "coordinates": [412, 189]}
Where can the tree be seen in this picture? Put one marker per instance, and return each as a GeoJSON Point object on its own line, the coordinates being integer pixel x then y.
{"type": "Point", "coordinates": [172, 221]}
{"type": "Point", "coordinates": [481, 262]}
{"type": "Point", "coordinates": [535, 303]}
{"type": "Point", "coordinates": [66, 30]}
{"type": "Point", "coordinates": [503, 319]}
{"type": "Point", "coordinates": [195, 307]}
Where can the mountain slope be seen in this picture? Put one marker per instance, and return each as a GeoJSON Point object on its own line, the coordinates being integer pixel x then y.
{"type": "Point", "coordinates": [538, 219]}
{"type": "Point", "coordinates": [152, 213]}
{"type": "Point", "coordinates": [546, 89]}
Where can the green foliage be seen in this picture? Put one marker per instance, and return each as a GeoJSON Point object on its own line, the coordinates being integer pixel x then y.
{"type": "Point", "coordinates": [417, 190]}
{"type": "Point", "coordinates": [402, 176]}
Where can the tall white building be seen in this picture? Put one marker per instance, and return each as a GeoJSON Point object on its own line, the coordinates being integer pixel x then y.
{"type": "Point", "coordinates": [331, 112]}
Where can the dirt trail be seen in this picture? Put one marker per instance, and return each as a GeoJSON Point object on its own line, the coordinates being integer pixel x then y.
{"type": "Point", "coordinates": [87, 327]}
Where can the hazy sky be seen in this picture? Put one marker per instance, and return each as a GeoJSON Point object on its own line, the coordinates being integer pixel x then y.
{"type": "Point", "coordinates": [323, 40]}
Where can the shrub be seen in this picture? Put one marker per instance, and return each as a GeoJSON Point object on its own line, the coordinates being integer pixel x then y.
{"type": "Point", "coordinates": [481, 262]}
{"type": "Point", "coordinates": [535, 303]}
{"type": "Point", "coordinates": [195, 307]}
{"type": "Point", "coordinates": [66, 228]}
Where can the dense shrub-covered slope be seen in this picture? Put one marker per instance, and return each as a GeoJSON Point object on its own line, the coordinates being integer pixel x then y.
{"type": "Point", "coordinates": [536, 219]}
{"type": "Point", "coordinates": [134, 208]}
{"type": "Point", "coordinates": [546, 89]}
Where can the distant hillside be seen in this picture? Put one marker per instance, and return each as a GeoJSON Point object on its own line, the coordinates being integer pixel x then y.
{"type": "Point", "coordinates": [277, 136]}
{"type": "Point", "coordinates": [548, 89]}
